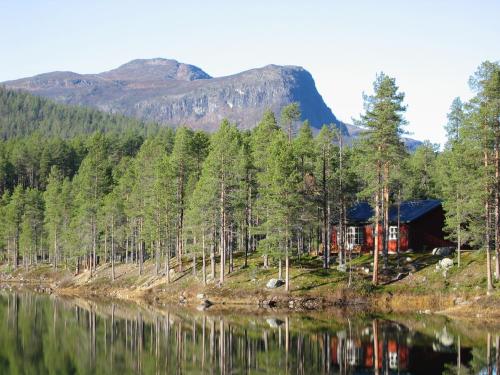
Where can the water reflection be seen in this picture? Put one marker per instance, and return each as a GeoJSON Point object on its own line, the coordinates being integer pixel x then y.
{"type": "Point", "coordinates": [48, 335]}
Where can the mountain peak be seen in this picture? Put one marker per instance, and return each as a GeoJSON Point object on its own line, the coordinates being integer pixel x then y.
{"type": "Point", "coordinates": [156, 69]}
{"type": "Point", "coordinates": [170, 92]}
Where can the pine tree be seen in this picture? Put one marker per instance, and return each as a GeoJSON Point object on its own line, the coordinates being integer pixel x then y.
{"type": "Point", "coordinates": [305, 147]}
{"type": "Point", "coordinates": [461, 157]}
{"type": "Point", "coordinates": [486, 115]}
{"type": "Point", "coordinates": [182, 163]}
{"type": "Point", "coordinates": [113, 219]}
{"type": "Point", "coordinates": [14, 211]}
{"type": "Point", "coordinates": [92, 183]}
{"type": "Point", "coordinates": [326, 179]}
{"type": "Point", "coordinates": [290, 114]}
{"type": "Point", "coordinates": [419, 178]}
{"type": "Point", "coordinates": [31, 235]}
{"type": "Point", "coordinates": [165, 190]}
{"type": "Point", "coordinates": [260, 145]}
{"type": "Point", "coordinates": [54, 212]}
{"type": "Point", "coordinates": [282, 198]}
{"type": "Point", "coordinates": [218, 182]}
{"type": "Point", "coordinates": [381, 149]}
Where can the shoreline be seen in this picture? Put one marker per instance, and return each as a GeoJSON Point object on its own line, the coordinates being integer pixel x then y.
{"type": "Point", "coordinates": [215, 298]}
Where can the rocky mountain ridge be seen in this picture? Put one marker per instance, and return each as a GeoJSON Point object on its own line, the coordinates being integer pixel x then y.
{"type": "Point", "coordinates": [174, 93]}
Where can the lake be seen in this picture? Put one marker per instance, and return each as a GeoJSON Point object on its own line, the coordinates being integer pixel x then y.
{"type": "Point", "coordinates": [42, 334]}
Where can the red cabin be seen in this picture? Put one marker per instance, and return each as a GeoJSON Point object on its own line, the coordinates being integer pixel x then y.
{"type": "Point", "coordinates": [421, 227]}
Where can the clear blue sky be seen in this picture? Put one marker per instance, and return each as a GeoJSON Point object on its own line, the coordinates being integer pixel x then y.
{"type": "Point", "coordinates": [430, 47]}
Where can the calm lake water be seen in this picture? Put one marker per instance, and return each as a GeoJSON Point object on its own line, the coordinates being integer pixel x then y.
{"type": "Point", "coordinates": [49, 335]}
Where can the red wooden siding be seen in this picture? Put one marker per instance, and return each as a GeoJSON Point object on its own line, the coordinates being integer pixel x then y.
{"type": "Point", "coordinates": [424, 233]}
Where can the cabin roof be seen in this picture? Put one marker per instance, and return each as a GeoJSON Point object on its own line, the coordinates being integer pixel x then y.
{"type": "Point", "coordinates": [410, 211]}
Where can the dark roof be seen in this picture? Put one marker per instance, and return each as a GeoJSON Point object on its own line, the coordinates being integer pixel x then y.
{"type": "Point", "coordinates": [410, 211]}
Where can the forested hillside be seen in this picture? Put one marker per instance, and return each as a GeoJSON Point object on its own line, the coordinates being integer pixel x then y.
{"type": "Point", "coordinates": [23, 114]}
{"type": "Point", "coordinates": [178, 196]}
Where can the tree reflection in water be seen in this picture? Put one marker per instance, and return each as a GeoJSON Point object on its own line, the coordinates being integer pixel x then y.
{"type": "Point", "coordinates": [48, 335]}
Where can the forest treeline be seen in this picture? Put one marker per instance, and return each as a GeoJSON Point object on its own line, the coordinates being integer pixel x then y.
{"type": "Point", "coordinates": [23, 114]}
{"type": "Point", "coordinates": [82, 197]}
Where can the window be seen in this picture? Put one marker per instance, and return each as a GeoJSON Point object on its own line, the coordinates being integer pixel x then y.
{"type": "Point", "coordinates": [393, 233]}
{"type": "Point", "coordinates": [355, 235]}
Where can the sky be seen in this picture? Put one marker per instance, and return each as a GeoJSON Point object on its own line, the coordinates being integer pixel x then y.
{"type": "Point", "coordinates": [430, 47]}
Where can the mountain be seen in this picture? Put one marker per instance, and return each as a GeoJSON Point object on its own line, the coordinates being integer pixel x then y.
{"type": "Point", "coordinates": [166, 91]}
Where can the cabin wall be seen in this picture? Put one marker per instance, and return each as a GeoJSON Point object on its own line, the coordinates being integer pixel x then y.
{"type": "Point", "coordinates": [369, 239]}
{"type": "Point", "coordinates": [427, 233]}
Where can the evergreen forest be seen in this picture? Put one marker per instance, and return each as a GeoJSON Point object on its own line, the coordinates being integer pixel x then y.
{"type": "Point", "coordinates": [80, 187]}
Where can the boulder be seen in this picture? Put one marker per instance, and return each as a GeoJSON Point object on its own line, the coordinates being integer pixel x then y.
{"type": "Point", "coordinates": [443, 251]}
{"type": "Point", "coordinates": [268, 303]}
{"type": "Point", "coordinates": [446, 263]}
{"type": "Point", "coordinates": [274, 283]}
{"type": "Point", "coordinates": [444, 337]}
{"type": "Point", "coordinates": [342, 268]}
{"type": "Point", "coordinates": [200, 296]}
{"type": "Point", "coordinates": [274, 323]}
{"type": "Point", "coordinates": [206, 303]}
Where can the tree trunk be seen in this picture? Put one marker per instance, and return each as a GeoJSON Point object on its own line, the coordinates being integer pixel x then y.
{"type": "Point", "coordinates": [212, 261]}
{"type": "Point", "coordinates": [375, 347]}
{"type": "Point", "coordinates": [157, 246]}
{"type": "Point", "coordinates": [105, 244]}
{"type": "Point", "coordinates": [280, 269]}
{"type": "Point", "coordinates": [497, 203]}
{"type": "Point", "coordinates": [55, 248]}
{"type": "Point", "coordinates": [222, 232]}
{"type": "Point", "coordinates": [376, 234]}
{"type": "Point", "coordinates": [459, 240]}
{"type": "Point", "coordinates": [230, 245]}
{"type": "Point", "coordinates": [112, 248]}
{"type": "Point", "coordinates": [167, 262]}
{"type": "Point", "coordinates": [9, 256]}
{"type": "Point", "coordinates": [204, 267]}
{"type": "Point", "coordinates": [399, 223]}
{"type": "Point", "coordinates": [141, 248]}
{"type": "Point", "coordinates": [126, 249]}
{"type": "Point", "coordinates": [180, 219]}
{"type": "Point", "coordinates": [385, 204]}
{"type": "Point", "coordinates": [194, 256]}
{"type": "Point", "coordinates": [340, 231]}
{"type": "Point", "coordinates": [287, 265]}
{"type": "Point", "coordinates": [248, 219]}
{"type": "Point", "coordinates": [93, 251]}
{"type": "Point", "coordinates": [326, 250]}
{"type": "Point", "coordinates": [487, 229]}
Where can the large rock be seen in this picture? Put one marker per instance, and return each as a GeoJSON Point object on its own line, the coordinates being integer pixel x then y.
{"type": "Point", "coordinates": [444, 264]}
{"type": "Point", "coordinates": [274, 283]}
{"type": "Point", "coordinates": [443, 251]}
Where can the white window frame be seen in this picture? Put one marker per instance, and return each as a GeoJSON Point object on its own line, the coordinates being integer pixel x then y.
{"type": "Point", "coordinates": [355, 235]}
{"type": "Point", "coordinates": [393, 233]}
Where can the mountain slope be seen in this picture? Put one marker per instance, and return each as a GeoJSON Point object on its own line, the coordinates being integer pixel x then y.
{"type": "Point", "coordinates": [22, 114]}
{"type": "Point", "coordinates": [169, 92]}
